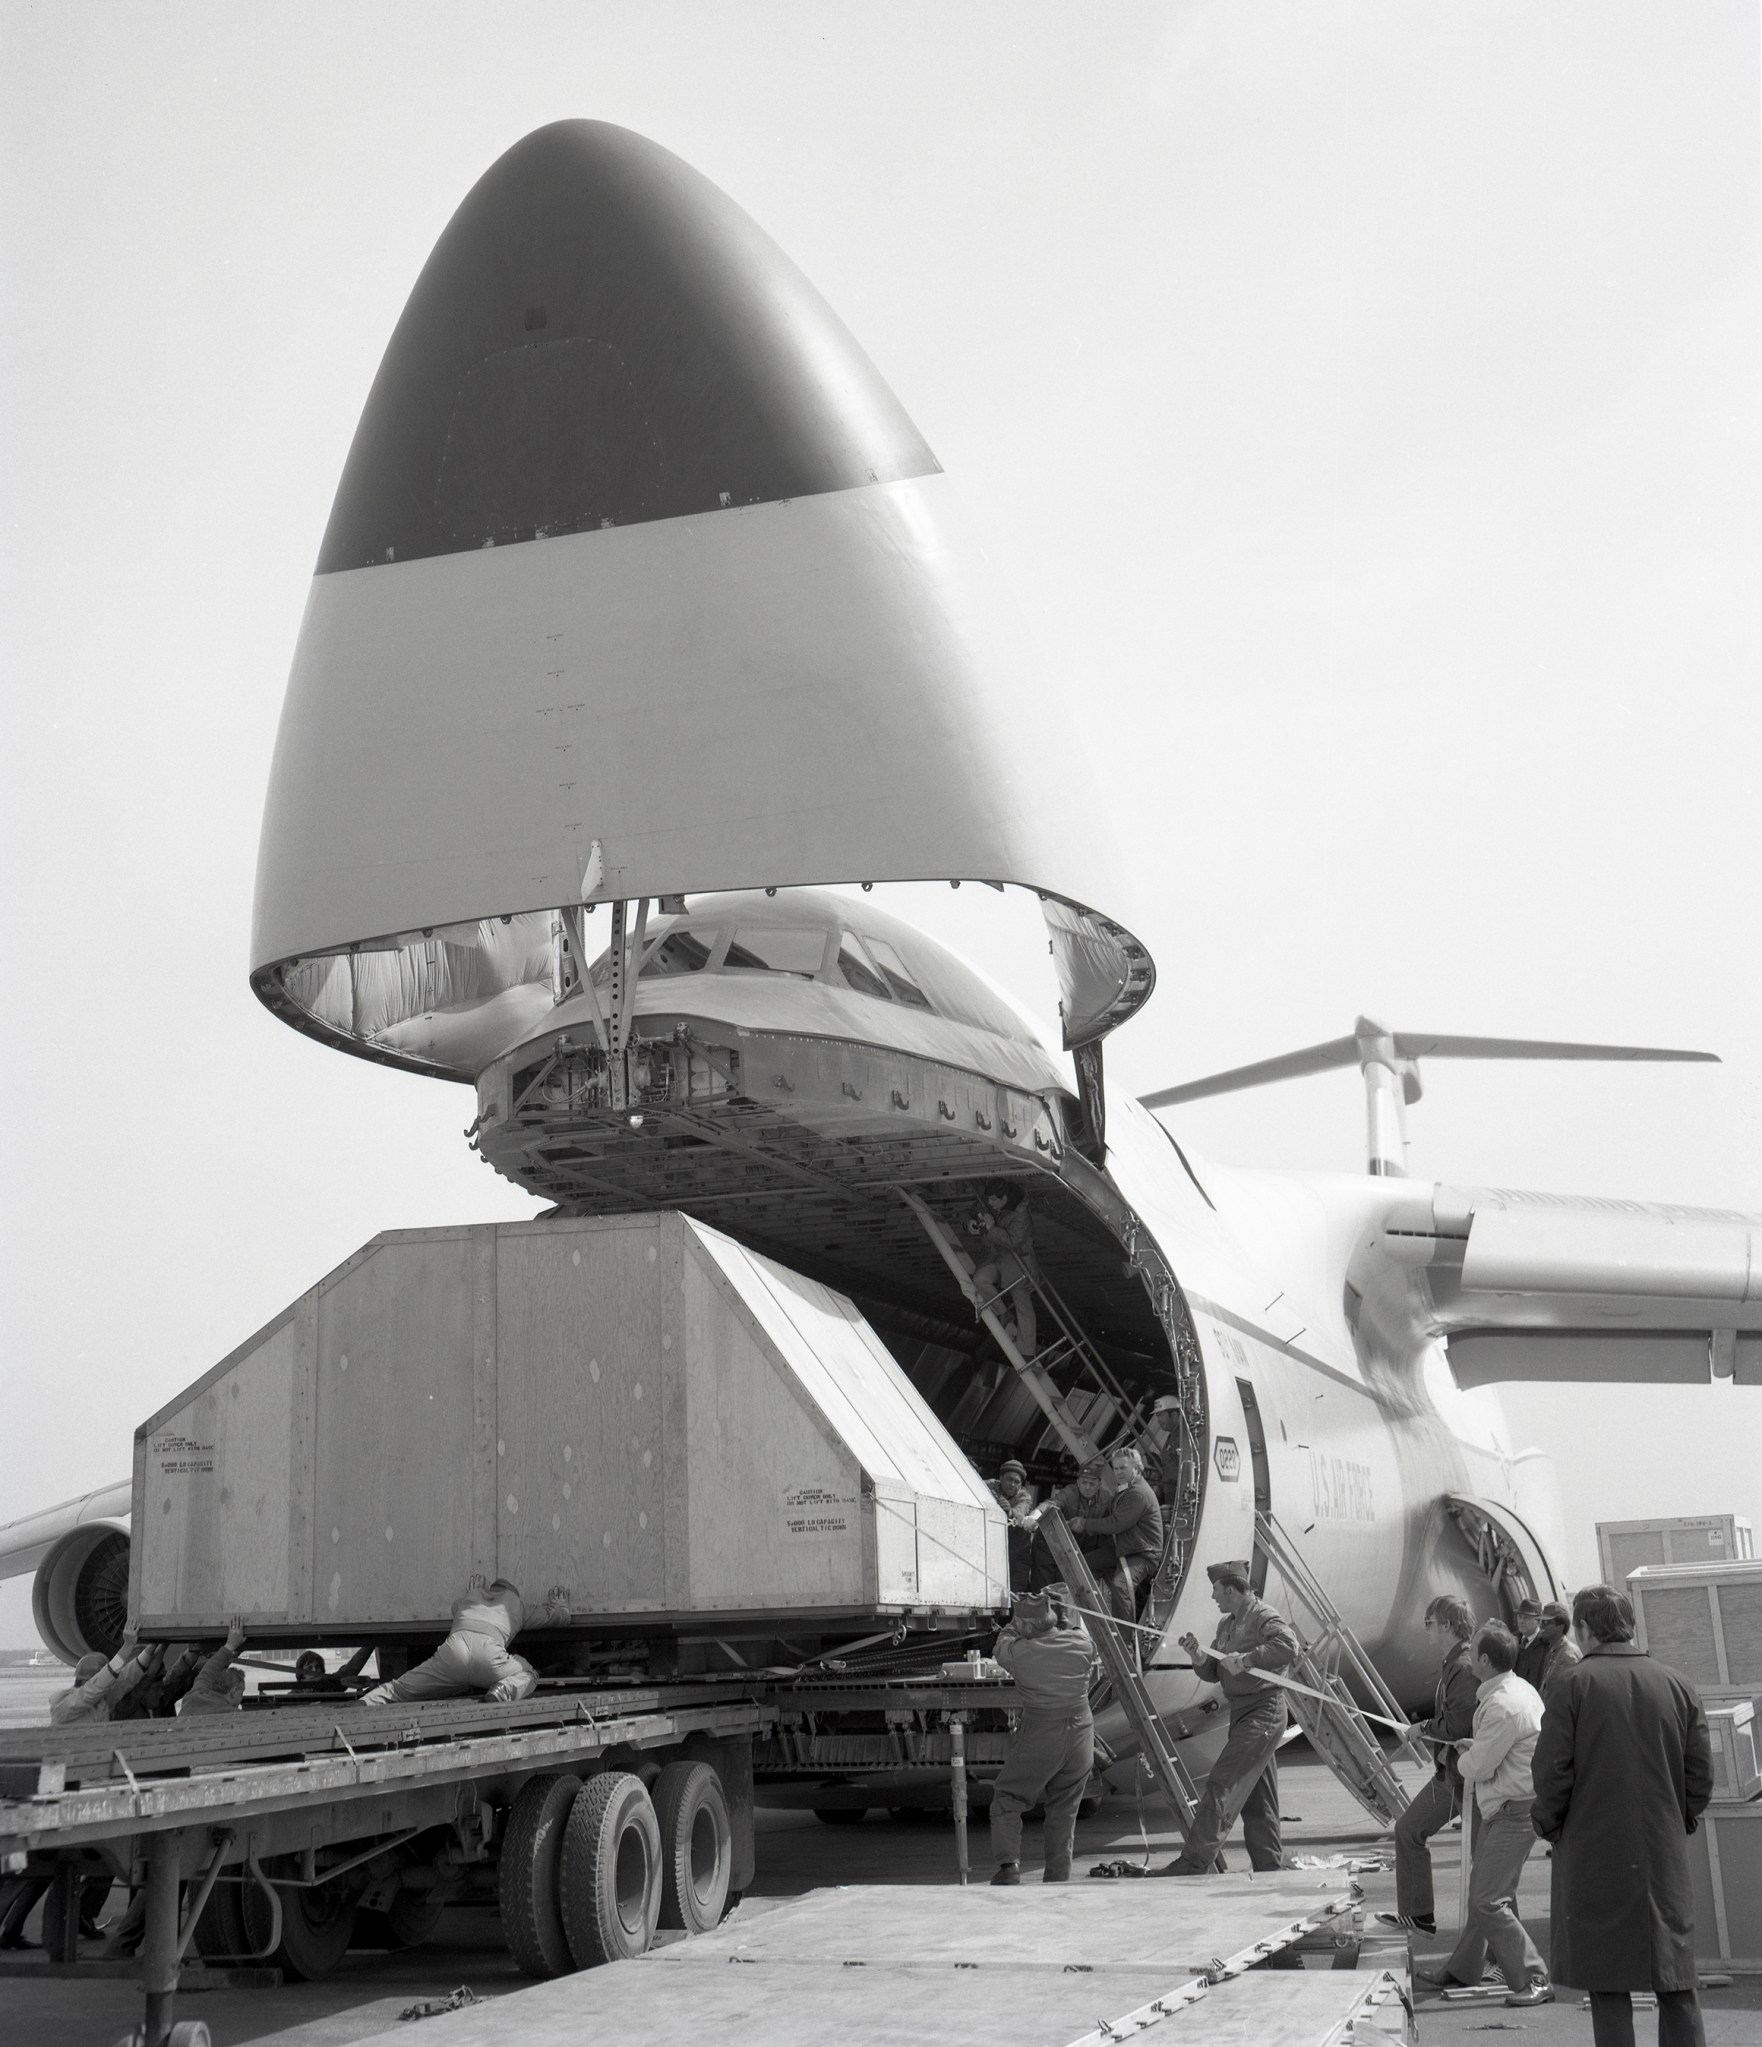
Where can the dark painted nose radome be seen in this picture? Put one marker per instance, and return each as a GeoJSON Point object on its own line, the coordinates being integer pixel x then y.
{"type": "Point", "coordinates": [640, 581]}
{"type": "Point", "coordinates": [600, 338]}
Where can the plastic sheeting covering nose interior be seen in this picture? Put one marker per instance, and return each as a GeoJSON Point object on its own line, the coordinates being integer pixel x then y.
{"type": "Point", "coordinates": [757, 646]}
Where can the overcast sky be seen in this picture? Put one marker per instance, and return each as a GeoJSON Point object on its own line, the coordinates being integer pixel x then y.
{"type": "Point", "coordinates": [1362, 400]}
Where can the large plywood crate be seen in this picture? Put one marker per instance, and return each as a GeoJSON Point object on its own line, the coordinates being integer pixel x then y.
{"type": "Point", "coordinates": [1707, 1623]}
{"type": "Point", "coordinates": [1624, 1546]}
{"type": "Point", "coordinates": [637, 1409]}
{"type": "Point", "coordinates": [1725, 1857]}
{"type": "Point", "coordinates": [1731, 1731]}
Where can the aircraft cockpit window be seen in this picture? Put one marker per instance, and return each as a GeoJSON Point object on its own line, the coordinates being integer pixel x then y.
{"type": "Point", "coordinates": [904, 988]}
{"type": "Point", "coordinates": [859, 970]}
{"type": "Point", "coordinates": [798, 952]}
{"type": "Point", "coordinates": [680, 952]}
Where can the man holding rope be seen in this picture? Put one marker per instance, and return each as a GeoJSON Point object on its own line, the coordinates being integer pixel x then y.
{"type": "Point", "coordinates": [1251, 1638]}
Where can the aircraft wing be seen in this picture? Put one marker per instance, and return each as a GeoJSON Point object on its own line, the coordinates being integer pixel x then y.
{"type": "Point", "coordinates": [1557, 1287]}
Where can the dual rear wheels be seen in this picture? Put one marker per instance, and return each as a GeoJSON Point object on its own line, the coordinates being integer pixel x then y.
{"type": "Point", "coordinates": [589, 1870]}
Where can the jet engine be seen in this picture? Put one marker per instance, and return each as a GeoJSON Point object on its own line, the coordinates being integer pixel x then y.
{"type": "Point", "coordinates": [79, 1555]}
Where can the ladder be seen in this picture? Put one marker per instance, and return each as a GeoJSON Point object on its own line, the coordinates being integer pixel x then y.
{"type": "Point", "coordinates": [1067, 1344]}
{"type": "Point", "coordinates": [1033, 1371]}
{"type": "Point", "coordinates": [1329, 1653]}
{"type": "Point", "coordinates": [1121, 1664]}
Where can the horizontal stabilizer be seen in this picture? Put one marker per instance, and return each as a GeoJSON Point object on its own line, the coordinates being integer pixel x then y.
{"type": "Point", "coordinates": [1372, 1042]}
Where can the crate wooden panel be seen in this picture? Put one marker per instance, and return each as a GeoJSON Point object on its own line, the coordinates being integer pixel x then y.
{"type": "Point", "coordinates": [1705, 1622]}
{"type": "Point", "coordinates": [635, 1408]}
{"type": "Point", "coordinates": [1731, 1724]}
{"type": "Point", "coordinates": [1725, 1856]}
{"type": "Point", "coordinates": [1624, 1546]}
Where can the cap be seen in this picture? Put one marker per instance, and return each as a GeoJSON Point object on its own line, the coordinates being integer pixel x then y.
{"type": "Point", "coordinates": [1033, 1607]}
{"type": "Point", "coordinates": [1554, 1611]}
{"type": "Point", "coordinates": [89, 1666]}
{"type": "Point", "coordinates": [1529, 1606]}
{"type": "Point", "coordinates": [1012, 1464]}
{"type": "Point", "coordinates": [1233, 1573]}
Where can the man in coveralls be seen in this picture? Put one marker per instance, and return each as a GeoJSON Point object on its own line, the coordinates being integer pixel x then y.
{"type": "Point", "coordinates": [1047, 1650]}
{"type": "Point", "coordinates": [474, 1657]}
{"type": "Point", "coordinates": [1251, 1637]}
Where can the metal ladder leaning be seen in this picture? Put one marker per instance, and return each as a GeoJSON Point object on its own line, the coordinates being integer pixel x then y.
{"type": "Point", "coordinates": [1121, 1666]}
{"type": "Point", "coordinates": [1067, 1344]}
{"type": "Point", "coordinates": [1031, 1371]}
{"type": "Point", "coordinates": [1330, 1653]}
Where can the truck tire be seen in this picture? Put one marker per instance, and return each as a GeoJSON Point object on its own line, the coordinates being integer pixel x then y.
{"type": "Point", "coordinates": [532, 1851]}
{"type": "Point", "coordinates": [841, 1815]}
{"type": "Point", "coordinates": [316, 1927]}
{"type": "Point", "coordinates": [612, 1866]}
{"type": "Point", "coordinates": [697, 1846]}
{"type": "Point", "coordinates": [220, 1932]}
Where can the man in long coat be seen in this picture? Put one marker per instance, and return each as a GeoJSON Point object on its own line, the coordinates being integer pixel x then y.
{"type": "Point", "coordinates": [1623, 1772]}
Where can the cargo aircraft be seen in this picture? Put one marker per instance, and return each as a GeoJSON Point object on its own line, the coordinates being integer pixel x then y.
{"type": "Point", "coordinates": [647, 642]}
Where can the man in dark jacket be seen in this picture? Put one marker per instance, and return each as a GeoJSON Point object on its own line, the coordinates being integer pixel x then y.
{"type": "Point", "coordinates": [1121, 1536]}
{"type": "Point", "coordinates": [1623, 1772]}
{"type": "Point", "coordinates": [1252, 1637]}
{"type": "Point", "coordinates": [1047, 1650]}
{"type": "Point", "coordinates": [1549, 1650]}
{"type": "Point", "coordinates": [1448, 1625]}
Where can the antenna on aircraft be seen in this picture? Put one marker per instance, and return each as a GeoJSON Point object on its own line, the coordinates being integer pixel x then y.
{"type": "Point", "coordinates": [1389, 1061]}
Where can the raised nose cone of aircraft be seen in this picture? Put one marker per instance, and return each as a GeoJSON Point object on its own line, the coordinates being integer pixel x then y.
{"type": "Point", "coordinates": [602, 338]}
{"type": "Point", "coordinates": [639, 580]}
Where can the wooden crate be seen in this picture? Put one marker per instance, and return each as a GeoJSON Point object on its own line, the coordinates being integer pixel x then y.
{"type": "Point", "coordinates": [1725, 1856]}
{"type": "Point", "coordinates": [635, 1408]}
{"type": "Point", "coordinates": [1624, 1546]}
{"type": "Point", "coordinates": [1705, 1622]}
{"type": "Point", "coordinates": [1732, 1725]}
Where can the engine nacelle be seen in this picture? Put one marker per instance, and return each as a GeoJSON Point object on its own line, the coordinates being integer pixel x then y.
{"type": "Point", "coordinates": [79, 1597]}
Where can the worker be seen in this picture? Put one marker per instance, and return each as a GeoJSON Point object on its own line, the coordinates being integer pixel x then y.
{"type": "Point", "coordinates": [1623, 1772]}
{"type": "Point", "coordinates": [1549, 1650]}
{"type": "Point", "coordinates": [1089, 1496]}
{"type": "Point", "coordinates": [220, 1683]}
{"type": "Point", "coordinates": [1047, 1650]}
{"type": "Point", "coordinates": [1448, 1625]}
{"type": "Point", "coordinates": [1252, 1637]}
{"type": "Point", "coordinates": [1015, 1496]}
{"type": "Point", "coordinates": [164, 1682]}
{"type": "Point", "coordinates": [1121, 1535]}
{"type": "Point", "coordinates": [474, 1657]}
{"type": "Point", "coordinates": [1525, 1621]}
{"type": "Point", "coordinates": [312, 1680]}
{"type": "Point", "coordinates": [1007, 1269]}
{"type": "Point", "coordinates": [1496, 1761]}
{"type": "Point", "coordinates": [100, 1683]}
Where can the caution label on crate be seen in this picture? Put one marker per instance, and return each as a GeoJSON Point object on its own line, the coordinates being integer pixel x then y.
{"type": "Point", "coordinates": [181, 1456]}
{"type": "Point", "coordinates": [813, 1513]}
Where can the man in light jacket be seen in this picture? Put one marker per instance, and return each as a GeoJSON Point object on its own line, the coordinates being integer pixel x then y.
{"type": "Point", "coordinates": [475, 1657]}
{"type": "Point", "coordinates": [1623, 1772]}
{"type": "Point", "coordinates": [1496, 1761]}
{"type": "Point", "coordinates": [99, 1684]}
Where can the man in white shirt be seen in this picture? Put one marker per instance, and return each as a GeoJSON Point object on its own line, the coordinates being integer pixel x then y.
{"type": "Point", "coordinates": [1496, 1761]}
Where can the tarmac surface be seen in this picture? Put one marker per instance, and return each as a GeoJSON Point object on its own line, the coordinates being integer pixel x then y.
{"type": "Point", "coordinates": [796, 1853]}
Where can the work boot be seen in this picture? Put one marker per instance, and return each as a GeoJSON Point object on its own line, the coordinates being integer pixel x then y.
{"type": "Point", "coordinates": [1180, 1867]}
{"type": "Point", "coordinates": [1007, 1873]}
{"type": "Point", "coordinates": [1047, 1877]}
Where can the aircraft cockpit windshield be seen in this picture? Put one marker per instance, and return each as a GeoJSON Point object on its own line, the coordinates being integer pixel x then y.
{"type": "Point", "coordinates": [810, 936]}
